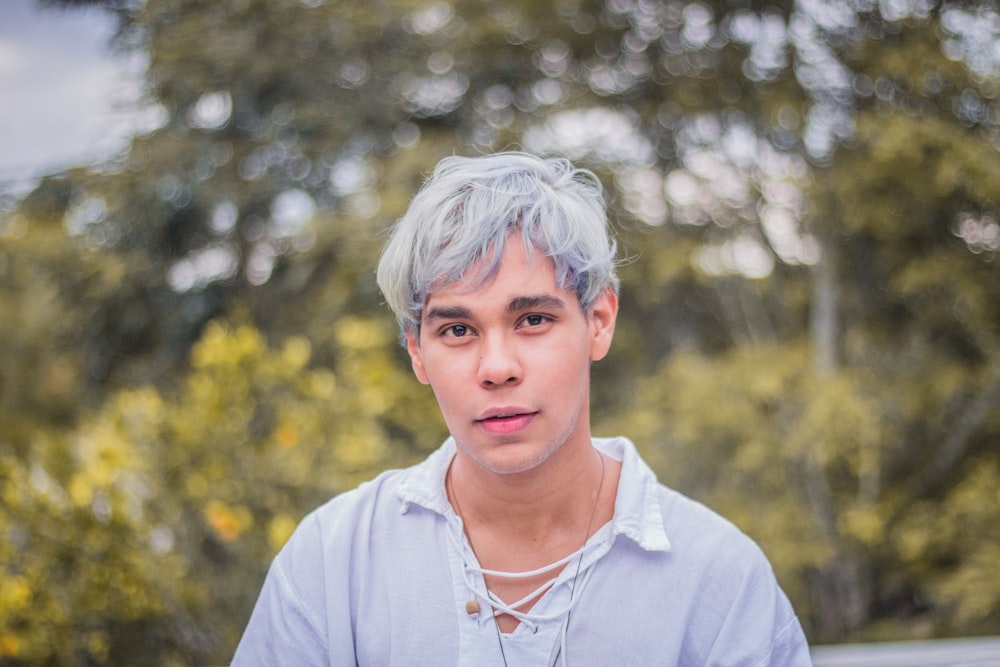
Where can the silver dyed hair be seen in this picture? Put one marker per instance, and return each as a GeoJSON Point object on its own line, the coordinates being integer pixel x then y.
{"type": "Point", "coordinates": [470, 206]}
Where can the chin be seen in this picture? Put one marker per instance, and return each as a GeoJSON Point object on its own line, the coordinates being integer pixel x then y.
{"type": "Point", "coordinates": [510, 459]}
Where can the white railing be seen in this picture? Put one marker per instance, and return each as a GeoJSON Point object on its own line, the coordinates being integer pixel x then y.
{"type": "Point", "coordinates": [972, 652]}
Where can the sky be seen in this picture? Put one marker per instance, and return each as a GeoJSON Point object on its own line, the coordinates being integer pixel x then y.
{"type": "Point", "coordinates": [65, 98]}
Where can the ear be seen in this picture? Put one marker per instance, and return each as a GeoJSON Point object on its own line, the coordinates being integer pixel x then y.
{"type": "Point", "coordinates": [603, 314]}
{"type": "Point", "coordinates": [416, 358]}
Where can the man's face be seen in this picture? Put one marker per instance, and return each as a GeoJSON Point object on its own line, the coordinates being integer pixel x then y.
{"type": "Point", "coordinates": [509, 361]}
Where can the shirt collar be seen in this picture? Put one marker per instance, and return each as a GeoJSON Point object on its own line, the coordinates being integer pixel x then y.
{"type": "Point", "coordinates": [423, 484]}
{"type": "Point", "coordinates": [638, 515]}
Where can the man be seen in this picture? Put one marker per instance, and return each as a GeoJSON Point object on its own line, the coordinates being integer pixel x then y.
{"type": "Point", "coordinates": [523, 540]}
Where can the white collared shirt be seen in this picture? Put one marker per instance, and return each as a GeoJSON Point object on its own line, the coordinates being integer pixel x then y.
{"type": "Point", "coordinates": [381, 576]}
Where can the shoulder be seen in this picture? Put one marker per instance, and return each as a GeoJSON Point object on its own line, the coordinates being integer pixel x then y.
{"type": "Point", "coordinates": [659, 518]}
{"type": "Point", "coordinates": [293, 620]}
{"type": "Point", "coordinates": [308, 600]}
{"type": "Point", "coordinates": [391, 494]}
{"type": "Point", "coordinates": [700, 588]}
{"type": "Point", "coordinates": [328, 532]}
{"type": "Point", "coordinates": [723, 562]}
{"type": "Point", "coordinates": [741, 607]}
{"type": "Point", "coordinates": [349, 512]}
{"type": "Point", "coordinates": [385, 506]}
{"type": "Point", "coordinates": [688, 521]}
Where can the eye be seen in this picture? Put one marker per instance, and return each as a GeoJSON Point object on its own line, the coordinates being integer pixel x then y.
{"type": "Point", "coordinates": [455, 331]}
{"type": "Point", "coordinates": [534, 320]}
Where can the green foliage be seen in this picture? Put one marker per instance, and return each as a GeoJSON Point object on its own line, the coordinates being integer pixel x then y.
{"type": "Point", "coordinates": [193, 352]}
{"type": "Point", "coordinates": [952, 544]}
{"type": "Point", "coordinates": [150, 526]}
{"type": "Point", "coordinates": [819, 469]}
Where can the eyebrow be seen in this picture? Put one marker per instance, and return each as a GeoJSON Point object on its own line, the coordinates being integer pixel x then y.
{"type": "Point", "coordinates": [516, 305]}
{"type": "Point", "coordinates": [448, 313]}
{"type": "Point", "coordinates": [543, 301]}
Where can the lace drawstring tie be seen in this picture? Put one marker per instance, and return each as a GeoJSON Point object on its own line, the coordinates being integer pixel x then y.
{"type": "Point", "coordinates": [529, 619]}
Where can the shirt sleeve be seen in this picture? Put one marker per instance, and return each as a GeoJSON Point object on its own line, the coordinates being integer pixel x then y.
{"type": "Point", "coordinates": [789, 647]}
{"type": "Point", "coordinates": [760, 628]}
{"type": "Point", "coordinates": [289, 624]}
{"type": "Point", "coordinates": [280, 630]}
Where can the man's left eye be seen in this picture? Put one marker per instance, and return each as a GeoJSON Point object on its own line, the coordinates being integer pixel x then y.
{"type": "Point", "coordinates": [534, 320]}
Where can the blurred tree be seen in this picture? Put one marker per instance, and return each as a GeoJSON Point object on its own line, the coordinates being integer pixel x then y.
{"type": "Point", "coordinates": [868, 386]}
{"type": "Point", "coordinates": [807, 194]}
{"type": "Point", "coordinates": [146, 532]}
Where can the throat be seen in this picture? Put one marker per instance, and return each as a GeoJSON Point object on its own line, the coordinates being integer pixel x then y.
{"type": "Point", "coordinates": [521, 561]}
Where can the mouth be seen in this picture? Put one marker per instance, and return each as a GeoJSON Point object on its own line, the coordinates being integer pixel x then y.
{"type": "Point", "coordinates": [504, 413]}
{"type": "Point", "coordinates": [506, 420]}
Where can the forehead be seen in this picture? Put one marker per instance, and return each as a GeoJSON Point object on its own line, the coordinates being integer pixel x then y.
{"type": "Point", "coordinates": [519, 273]}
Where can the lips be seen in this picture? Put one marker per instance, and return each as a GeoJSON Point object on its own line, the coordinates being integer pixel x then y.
{"type": "Point", "coordinates": [503, 421]}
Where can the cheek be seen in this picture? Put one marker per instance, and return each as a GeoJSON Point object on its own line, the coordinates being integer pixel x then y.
{"type": "Point", "coordinates": [565, 363]}
{"type": "Point", "coordinates": [448, 378]}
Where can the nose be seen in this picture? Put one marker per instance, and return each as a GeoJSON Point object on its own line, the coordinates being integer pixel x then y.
{"type": "Point", "coordinates": [499, 364]}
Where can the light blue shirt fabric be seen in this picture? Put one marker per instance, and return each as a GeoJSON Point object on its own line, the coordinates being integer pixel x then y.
{"type": "Point", "coordinates": [381, 575]}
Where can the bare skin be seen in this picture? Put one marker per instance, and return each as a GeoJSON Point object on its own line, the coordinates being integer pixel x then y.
{"type": "Point", "coordinates": [509, 363]}
{"type": "Point", "coordinates": [518, 540]}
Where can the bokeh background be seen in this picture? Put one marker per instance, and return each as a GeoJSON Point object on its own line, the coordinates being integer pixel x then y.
{"type": "Point", "coordinates": [193, 351]}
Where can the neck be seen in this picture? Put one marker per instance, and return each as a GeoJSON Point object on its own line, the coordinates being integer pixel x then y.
{"type": "Point", "coordinates": [529, 520]}
{"type": "Point", "coordinates": [557, 496]}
